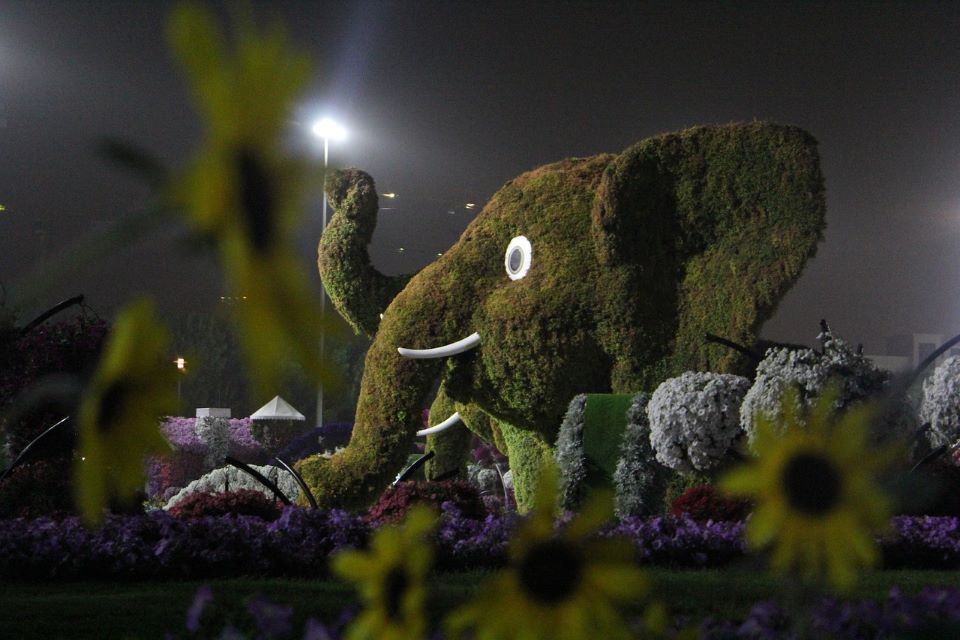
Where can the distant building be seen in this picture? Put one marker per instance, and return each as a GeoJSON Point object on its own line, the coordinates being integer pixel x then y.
{"type": "Point", "coordinates": [905, 351]}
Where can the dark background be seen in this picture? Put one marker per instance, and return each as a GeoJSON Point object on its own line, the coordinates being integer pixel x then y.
{"type": "Point", "coordinates": [446, 101]}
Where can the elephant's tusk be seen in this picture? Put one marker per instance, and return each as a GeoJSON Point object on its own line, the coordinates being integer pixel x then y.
{"type": "Point", "coordinates": [451, 349]}
{"type": "Point", "coordinates": [443, 426]}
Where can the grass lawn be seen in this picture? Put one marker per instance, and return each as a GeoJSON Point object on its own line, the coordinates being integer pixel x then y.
{"type": "Point", "coordinates": [150, 609]}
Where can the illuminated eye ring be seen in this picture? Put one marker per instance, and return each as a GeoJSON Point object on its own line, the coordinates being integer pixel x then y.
{"type": "Point", "coordinates": [518, 258]}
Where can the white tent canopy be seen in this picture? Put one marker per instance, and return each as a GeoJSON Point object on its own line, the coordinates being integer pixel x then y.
{"type": "Point", "coordinates": [277, 409]}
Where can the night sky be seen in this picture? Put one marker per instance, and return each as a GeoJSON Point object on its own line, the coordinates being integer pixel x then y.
{"type": "Point", "coordinates": [446, 101]}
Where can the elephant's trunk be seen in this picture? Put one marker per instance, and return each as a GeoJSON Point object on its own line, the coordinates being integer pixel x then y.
{"type": "Point", "coordinates": [358, 291]}
{"type": "Point", "coordinates": [398, 376]}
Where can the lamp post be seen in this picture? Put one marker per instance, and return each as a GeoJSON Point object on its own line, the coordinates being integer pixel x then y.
{"type": "Point", "coordinates": [328, 130]}
{"type": "Point", "coordinates": [181, 369]}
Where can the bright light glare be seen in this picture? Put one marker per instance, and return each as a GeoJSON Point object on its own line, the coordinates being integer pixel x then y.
{"type": "Point", "coordinates": [181, 363]}
{"type": "Point", "coordinates": [389, 195]}
{"type": "Point", "coordinates": [329, 130]}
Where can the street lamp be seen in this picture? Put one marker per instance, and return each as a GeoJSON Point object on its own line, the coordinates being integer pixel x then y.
{"type": "Point", "coordinates": [328, 130]}
{"type": "Point", "coordinates": [181, 368]}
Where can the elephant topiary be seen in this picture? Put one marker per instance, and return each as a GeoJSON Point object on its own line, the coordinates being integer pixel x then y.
{"type": "Point", "coordinates": [589, 275]}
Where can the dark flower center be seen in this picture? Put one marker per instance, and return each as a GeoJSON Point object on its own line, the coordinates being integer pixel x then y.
{"type": "Point", "coordinates": [111, 403]}
{"type": "Point", "coordinates": [550, 572]}
{"type": "Point", "coordinates": [256, 200]}
{"type": "Point", "coordinates": [394, 586]}
{"type": "Point", "coordinates": [811, 483]}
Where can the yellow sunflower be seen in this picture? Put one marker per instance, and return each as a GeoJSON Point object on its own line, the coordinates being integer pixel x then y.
{"type": "Point", "coordinates": [391, 579]}
{"type": "Point", "coordinates": [814, 485]}
{"type": "Point", "coordinates": [243, 193]}
{"type": "Point", "coordinates": [562, 586]}
{"type": "Point", "coordinates": [132, 389]}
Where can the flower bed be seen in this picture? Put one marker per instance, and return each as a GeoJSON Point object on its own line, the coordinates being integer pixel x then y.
{"type": "Point", "coordinates": [188, 461]}
{"type": "Point", "coordinates": [298, 543]}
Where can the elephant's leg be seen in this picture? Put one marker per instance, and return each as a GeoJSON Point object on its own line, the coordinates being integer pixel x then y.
{"type": "Point", "coordinates": [528, 452]}
{"type": "Point", "coordinates": [451, 447]}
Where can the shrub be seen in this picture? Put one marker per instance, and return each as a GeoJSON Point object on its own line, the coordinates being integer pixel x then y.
{"type": "Point", "coordinates": [37, 488]}
{"type": "Point", "coordinates": [191, 456]}
{"type": "Point", "coordinates": [936, 490]}
{"type": "Point", "coordinates": [694, 419]}
{"type": "Point", "coordinates": [68, 347]}
{"type": "Point", "coordinates": [639, 481]}
{"type": "Point", "coordinates": [215, 434]}
{"type": "Point", "coordinates": [940, 407]}
{"type": "Point", "coordinates": [810, 371]}
{"type": "Point", "coordinates": [703, 503]}
{"type": "Point", "coordinates": [245, 502]}
{"type": "Point", "coordinates": [571, 462]}
{"type": "Point", "coordinates": [230, 478]}
{"type": "Point", "coordinates": [393, 503]}
{"type": "Point", "coordinates": [275, 435]}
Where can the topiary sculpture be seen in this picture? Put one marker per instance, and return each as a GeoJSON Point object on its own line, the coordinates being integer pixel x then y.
{"type": "Point", "coordinates": [589, 275]}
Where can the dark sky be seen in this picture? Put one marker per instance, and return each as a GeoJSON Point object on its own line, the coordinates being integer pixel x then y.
{"type": "Point", "coordinates": [446, 101]}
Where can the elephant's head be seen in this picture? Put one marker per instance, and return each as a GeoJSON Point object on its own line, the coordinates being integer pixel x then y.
{"type": "Point", "coordinates": [587, 275]}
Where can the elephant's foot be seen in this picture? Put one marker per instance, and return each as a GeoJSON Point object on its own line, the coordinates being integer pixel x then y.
{"type": "Point", "coordinates": [343, 481]}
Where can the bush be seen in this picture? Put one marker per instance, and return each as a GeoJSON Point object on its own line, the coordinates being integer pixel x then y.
{"type": "Point", "coordinates": [230, 478]}
{"type": "Point", "coordinates": [695, 419]}
{"type": "Point", "coordinates": [246, 502]}
{"type": "Point", "coordinates": [38, 488]}
{"type": "Point", "coordinates": [275, 435]}
{"type": "Point", "coordinates": [640, 480]}
{"type": "Point", "coordinates": [809, 372]}
{"type": "Point", "coordinates": [703, 503]}
{"type": "Point", "coordinates": [941, 403]}
{"type": "Point", "coordinates": [393, 504]}
{"type": "Point", "coordinates": [936, 490]}
{"type": "Point", "coordinates": [191, 456]}
{"type": "Point", "coordinates": [70, 347]}
{"type": "Point", "coordinates": [571, 462]}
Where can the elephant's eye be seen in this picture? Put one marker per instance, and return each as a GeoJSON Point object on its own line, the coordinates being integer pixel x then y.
{"type": "Point", "coordinates": [518, 258]}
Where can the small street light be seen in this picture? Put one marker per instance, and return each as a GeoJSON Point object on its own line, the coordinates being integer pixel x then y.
{"type": "Point", "coordinates": [182, 368]}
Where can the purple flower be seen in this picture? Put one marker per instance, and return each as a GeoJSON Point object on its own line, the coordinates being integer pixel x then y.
{"type": "Point", "coordinates": [271, 619]}
{"type": "Point", "coordinates": [200, 600]}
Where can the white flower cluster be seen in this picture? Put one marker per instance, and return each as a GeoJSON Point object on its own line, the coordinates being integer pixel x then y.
{"type": "Point", "coordinates": [639, 480]}
{"type": "Point", "coordinates": [940, 407]}
{"type": "Point", "coordinates": [485, 479]}
{"type": "Point", "coordinates": [215, 433]}
{"type": "Point", "coordinates": [569, 454]}
{"type": "Point", "coordinates": [230, 478]}
{"type": "Point", "coordinates": [809, 372]}
{"type": "Point", "coordinates": [694, 419]}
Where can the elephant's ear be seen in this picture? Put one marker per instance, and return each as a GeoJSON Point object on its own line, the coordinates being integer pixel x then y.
{"type": "Point", "coordinates": [706, 229]}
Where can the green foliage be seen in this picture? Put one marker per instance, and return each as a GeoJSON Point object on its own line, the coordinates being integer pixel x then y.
{"type": "Point", "coordinates": [605, 418]}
